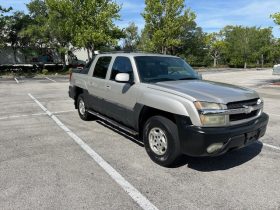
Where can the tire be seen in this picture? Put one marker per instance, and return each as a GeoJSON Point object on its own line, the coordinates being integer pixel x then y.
{"type": "Point", "coordinates": [84, 115]}
{"type": "Point", "coordinates": [160, 136]}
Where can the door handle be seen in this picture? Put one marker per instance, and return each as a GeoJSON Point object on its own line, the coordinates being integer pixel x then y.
{"type": "Point", "coordinates": [108, 87]}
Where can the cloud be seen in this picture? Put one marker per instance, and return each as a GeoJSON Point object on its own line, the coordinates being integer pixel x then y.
{"type": "Point", "coordinates": [140, 23]}
{"type": "Point", "coordinates": [257, 9]}
{"type": "Point", "coordinates": [216, 14]}
{"type": "Point", "coordinates": [131, 8]}
{"type": "Point", "coordinates": [131, 12]}
{"type": "Point", "coordinates": [212, 15]}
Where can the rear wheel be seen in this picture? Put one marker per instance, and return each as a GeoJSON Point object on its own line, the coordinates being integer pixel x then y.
{"type": "Point", "coordinates": [161, 140]}
{"type": "Point", "coordinates": [84, 115]}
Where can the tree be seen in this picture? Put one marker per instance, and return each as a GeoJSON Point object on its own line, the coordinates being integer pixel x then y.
{"type": "Point", "coordinates": [15, 24]}
{"type": "Point", "coordinates": [276, 43]}
{"type": "Point", "coordinates": [193, 45]}
{"type": "Point", "coordinates": [89, 23]}
{"type": "Point", "coordinates": [166, 21]}
{"type": "Point", "coordinates": [247, 45]}
{"type": "Point", "coordinates": [37, 31]}
{"type": "Point", "coordinates": [275, 52]}
{"type": "Point", "coordinates": [3, 25]}
{"type": "Point", "coordinates": [62, 36]}
{"type": "Point", "coordinates": [276, 18]}
{"type": "Point", "coordinates": [131, 37]}
{"type": "Point", "coordinates": [216, 46]}
{"type": "Point", "coordinates": [262, 45]}
{"type": "Point", "coordinates": [238, 39]}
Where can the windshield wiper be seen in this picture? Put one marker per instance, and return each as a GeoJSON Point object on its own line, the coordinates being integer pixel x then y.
{"type": "Point", "coordinates": [188, 78]}
{"type": "Point", "coordinates": [160, 80]}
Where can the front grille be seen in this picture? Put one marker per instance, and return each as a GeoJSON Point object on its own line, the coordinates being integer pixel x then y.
{"type": "Point", "coordinates": [240, 104]}
{"type": "Point", "coordinates": [236, 117]}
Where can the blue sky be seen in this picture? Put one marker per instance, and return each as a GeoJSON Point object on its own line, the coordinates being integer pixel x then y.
{"type": "Point", "coordinates": [212, 15]}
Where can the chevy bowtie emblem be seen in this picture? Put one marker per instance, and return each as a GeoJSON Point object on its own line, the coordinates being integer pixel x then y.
{"type": "Point", "coordinates": [248, 109]}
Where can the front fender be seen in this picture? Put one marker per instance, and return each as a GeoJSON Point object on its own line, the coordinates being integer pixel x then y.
{"type": "Point", "coordinates": [164, 103]}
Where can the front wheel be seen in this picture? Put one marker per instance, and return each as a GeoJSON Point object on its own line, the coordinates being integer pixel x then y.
{"type": "Point", "coordinates": [161, 140]}
{"type": "Point", "coordinates": [84, 115]}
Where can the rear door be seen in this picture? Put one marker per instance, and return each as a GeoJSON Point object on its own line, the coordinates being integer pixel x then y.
{"type": "Point", "coordinates": [97, 84]}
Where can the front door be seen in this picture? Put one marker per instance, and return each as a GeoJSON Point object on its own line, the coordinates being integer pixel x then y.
{"type": "Point", "coordinates": [121, 97]}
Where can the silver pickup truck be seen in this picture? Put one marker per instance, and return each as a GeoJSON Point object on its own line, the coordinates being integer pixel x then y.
{"type": "Point", "coordinates": [164, 102]}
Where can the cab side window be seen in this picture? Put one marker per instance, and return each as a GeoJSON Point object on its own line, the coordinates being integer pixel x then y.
{"type": "Point", "coordinates": [121, 65]}
{"type": "Point", "coordinates": [101, 67]}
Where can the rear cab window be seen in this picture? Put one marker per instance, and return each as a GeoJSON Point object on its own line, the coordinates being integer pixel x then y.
{"type": "Point", "coordinates": [101, 67]}
{"type": "Point", "coordinates": [86, 68]}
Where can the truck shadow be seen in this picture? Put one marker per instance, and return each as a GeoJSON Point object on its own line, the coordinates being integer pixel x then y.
{"type": "Point", "coordinates": [223, 162]}
{"type": "Point", "coordinates": [203, 164]}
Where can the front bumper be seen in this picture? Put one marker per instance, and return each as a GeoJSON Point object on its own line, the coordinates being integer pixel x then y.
{"type": "Point", "coordinates": [195, 140]}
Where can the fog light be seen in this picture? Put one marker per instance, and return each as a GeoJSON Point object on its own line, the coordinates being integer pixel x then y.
{"type": "Point", "coordinates": [214, 147]}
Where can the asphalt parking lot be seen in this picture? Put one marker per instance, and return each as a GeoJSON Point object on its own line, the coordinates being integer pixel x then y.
{"type": "Point", "coordinates": [50, 159]}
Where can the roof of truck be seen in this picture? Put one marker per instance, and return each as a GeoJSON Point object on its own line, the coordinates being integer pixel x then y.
{"type": "Point", "coordinates": [133, 54]}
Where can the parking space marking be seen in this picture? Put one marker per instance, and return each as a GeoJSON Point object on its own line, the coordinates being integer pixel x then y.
{"type": "Point", "coordinates": [16, 80]}
{"type": "Point", "coordinates": [50, 79]}
{"type": "Point", "coordinates": [20, 116]}
{"type": "Point", "coordinates": [271, 146]}
{"type": "Point", "coordinates": [61, 112]}
{"type": "Point", "coordinates": [36, 114]}
{"type": "Point", "coordinates": [139, 198]}
{"type": "Point", "coordinates": [277, 115]}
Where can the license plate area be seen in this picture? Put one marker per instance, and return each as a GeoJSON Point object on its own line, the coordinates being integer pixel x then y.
{"type": "Point", "coordinates": [252, 136]}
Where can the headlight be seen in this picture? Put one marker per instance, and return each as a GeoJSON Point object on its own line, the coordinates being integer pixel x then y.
{"type": "Point", "coordinates": [211, 119]}
{"type": "Point", "coordinates": [200, 105]}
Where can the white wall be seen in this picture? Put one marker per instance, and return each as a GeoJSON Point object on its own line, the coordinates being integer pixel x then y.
{"type": "Point", "coordinates": [81, 54]}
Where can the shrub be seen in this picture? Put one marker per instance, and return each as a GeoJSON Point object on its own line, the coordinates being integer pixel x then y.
{"type": "Point", "coordinates": [45, 71]}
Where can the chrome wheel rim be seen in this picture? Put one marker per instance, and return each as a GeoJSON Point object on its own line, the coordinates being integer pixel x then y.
{"type": "Point", "coordinates": [158, 141]}
{"type": "Point", "coordinates": [82, 108]}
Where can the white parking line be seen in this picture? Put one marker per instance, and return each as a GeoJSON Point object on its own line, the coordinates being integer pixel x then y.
{"type": "Point", "coordinates": [277, 115]}
{"type": "Point", "coordinates": [16, 80]}
{"type": "Point", "coordinates": [50, 79]}
{"type": "Point", "coordinates": [127, 187]}
{"type": "Point", "coordinates": [271, 146]}
{"type": "Point", "coordinates": [36, 114]}
{"type": "Point", "coordinates": [60, 112]}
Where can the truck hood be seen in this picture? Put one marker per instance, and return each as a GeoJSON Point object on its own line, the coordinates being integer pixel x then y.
{"type": "Point", "coordinates": [203, 90]}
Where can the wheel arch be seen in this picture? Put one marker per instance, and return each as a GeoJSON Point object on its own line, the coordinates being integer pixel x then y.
{"type": "Point", "coordinates": [77, 92]}
{"type": "Point", "coordinates": [148, 112]}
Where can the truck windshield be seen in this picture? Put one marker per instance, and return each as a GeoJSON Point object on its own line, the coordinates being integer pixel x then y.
{"type": "Point", "coordinates": [160, 68]}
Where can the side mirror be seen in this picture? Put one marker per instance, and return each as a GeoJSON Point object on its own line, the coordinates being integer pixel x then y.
{"type": "Point", "coordinates": [122, 77]}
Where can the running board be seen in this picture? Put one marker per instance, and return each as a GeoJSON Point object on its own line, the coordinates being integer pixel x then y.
{"type": "Point", "coordinates": [112, 122]}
